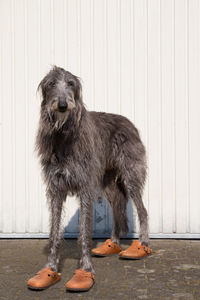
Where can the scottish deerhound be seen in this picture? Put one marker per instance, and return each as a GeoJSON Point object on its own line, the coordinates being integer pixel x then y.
{"type": "Point", "coordinates": [82, 152]}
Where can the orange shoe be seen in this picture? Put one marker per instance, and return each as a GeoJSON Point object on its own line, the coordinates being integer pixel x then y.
{"type": "Point", "coordinates": [135, 251]}
{"type": "Point", "coordinates": [43, 279]}
{"type": "Point", "coordinates": [108, 248]}
{"type": "Point", "coordinates": [81, 281]}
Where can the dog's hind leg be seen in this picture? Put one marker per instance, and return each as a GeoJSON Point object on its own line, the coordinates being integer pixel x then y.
{"type": "Point", "coordinates": [133, 181]}
{"type": "Point", "coordinates": [56, 232]}
{"type": "Point", "coordinates": [118, 202]}
{"type": "Point", "coordinates": [142, 215]}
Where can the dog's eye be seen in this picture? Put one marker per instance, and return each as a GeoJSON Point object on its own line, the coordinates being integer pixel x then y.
{"type": "Point", "coordinates": [51, 84]}
{"type": "Point", "coordinates": [71, 83]}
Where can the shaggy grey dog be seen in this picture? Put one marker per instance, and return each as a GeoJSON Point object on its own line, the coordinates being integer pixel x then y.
{"type": "Point", "coordinates": [82, 152]}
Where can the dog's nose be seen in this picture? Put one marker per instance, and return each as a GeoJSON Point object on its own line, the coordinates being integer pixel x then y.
{"type": "Point", "coordinates": [62, 105]}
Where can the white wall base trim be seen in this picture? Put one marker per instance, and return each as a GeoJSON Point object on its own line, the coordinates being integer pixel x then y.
{"type": "Point", "coordinates": [100, 235]}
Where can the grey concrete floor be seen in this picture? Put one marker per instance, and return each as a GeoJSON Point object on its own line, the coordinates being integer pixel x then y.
{"type": "Point", "coordinates": [171, 272]}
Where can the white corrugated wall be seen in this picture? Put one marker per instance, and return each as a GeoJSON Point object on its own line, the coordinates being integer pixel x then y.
{"type": "Point", "coordinates": [140, 58]}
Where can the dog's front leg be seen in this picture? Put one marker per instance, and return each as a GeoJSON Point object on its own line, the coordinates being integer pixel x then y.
{"type": "Point", "coordinates": [56, 204]}
{"type": "Point", "coordinates": [83, 278]}
{"type": "Point", "coordinates": [86, 210]}
{"type": "Point", "coordinates": [48, 276]}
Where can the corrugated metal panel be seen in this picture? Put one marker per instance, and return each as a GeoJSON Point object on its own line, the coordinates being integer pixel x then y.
{"type": "Point", "coordinates": [136, 57]}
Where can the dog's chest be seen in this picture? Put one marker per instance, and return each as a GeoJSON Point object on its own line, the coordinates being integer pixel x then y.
{"type": "Point", "coordinates": [68, 169]}
{"type": "Point", "coordinates": [66, 175]}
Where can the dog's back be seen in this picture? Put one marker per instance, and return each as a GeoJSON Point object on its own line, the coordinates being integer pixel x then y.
{"type": "Point", "coordinates": [120, 138]}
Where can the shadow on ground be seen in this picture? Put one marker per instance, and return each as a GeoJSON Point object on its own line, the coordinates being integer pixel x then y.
{"type": "Point", "coordinates": [67, 254]}
{"type": "Point", "coordinates": [171, 272]}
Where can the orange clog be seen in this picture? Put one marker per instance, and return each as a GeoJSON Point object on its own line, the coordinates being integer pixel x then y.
{"type": "Point", "coordinates": [81, 281]}
{"type": "Point", "coordinates": [135, 251]}
{"type": "Point", "coordinates": [43, 279]}
{"type": "Point", "coordinates": [108, 248]}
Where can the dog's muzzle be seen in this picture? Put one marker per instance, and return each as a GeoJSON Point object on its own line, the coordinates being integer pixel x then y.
{"type": "Point", "coordinates": [62, 105]}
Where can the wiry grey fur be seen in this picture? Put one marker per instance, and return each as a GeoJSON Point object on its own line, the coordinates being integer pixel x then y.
{"type": "Point", "coordinates": [81, 152]}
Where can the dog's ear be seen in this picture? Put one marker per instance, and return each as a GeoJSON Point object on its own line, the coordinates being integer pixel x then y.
{"type": "Point", "coordinates": [46, 81]}
{"type": "Point", "coordinates": [42, 87]}
{"type": "Point", "coordinates": [79, 101]}
{"type": "Point", "coordinates": [78, 94]}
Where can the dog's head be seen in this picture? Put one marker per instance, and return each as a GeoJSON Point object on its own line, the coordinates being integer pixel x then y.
{"type": "Point", "coordinates": [61, 96]}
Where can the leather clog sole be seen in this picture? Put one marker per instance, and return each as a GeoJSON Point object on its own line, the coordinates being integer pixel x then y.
{"type": "Point", "coordinates": [134, 258]}
{"type": "Point", "coordinates": [43, 288]}
{"type": "Point", "coordinates": [102, 255]}
{"type": "Point", "coordinates": [78, 290]}
{"type": "Point", "coordinates": [37, 289]}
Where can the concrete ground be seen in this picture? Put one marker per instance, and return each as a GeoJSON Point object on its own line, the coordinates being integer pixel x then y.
{"type": "Point", "coordinates": [171, 272]}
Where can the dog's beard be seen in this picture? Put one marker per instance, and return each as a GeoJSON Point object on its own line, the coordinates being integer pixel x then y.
{"type": "Point", "coordinates": [58, 119]}
{"type": "Point", "coordinates": [61, 118]}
